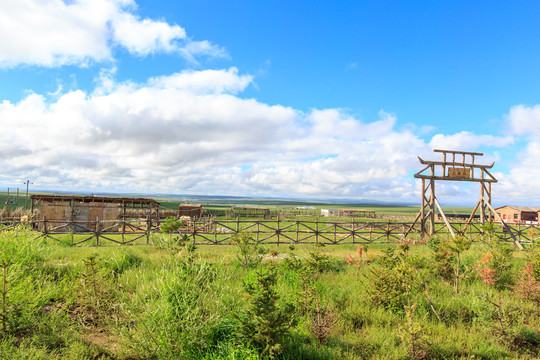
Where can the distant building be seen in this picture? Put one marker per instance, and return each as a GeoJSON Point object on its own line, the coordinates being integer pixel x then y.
{"type": "Point", "coordinates": [329, 212]}
{"type": "Point", "coordinates": [86, 213]}
{"type": "Point", "coordinates": [194, 211]}
{"type": "Point", "coordinates": [518, 214]}
{"type": "Point", "coordinates": [357, 213]}
{"type": "Point", "coordinates": [250, 212]}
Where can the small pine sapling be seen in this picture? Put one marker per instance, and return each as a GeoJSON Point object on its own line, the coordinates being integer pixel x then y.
{"type": "Point", "coordinates": [458, 246]}
{"type": "Point", "coordinates": [264, 324]}
{"type": "Point", "coordinates": [247, 250]}
{"type": "Point", "coordinates": [527, 287]}
{"type": "Point", "coordinates": [322, 320]}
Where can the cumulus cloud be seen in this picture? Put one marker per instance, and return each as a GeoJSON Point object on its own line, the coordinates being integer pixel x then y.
{"type": "Point", "coordinates": [524, 120]}
{"type": "Point", "coordinates": [190, 132]}
{"type": "Point", "coordinates": [468, 141]}
{"type": "Point", "coordinates": [520, 183]}
{"type": "Point", "coordinates": [53, 33]}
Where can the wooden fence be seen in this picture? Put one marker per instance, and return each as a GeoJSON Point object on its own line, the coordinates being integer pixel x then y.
{"type": "Point", "coordinates": [215, 232]}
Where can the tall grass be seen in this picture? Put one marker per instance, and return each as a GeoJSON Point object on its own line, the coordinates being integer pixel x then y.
{"type": "Point", "coordinates": [151, 302]}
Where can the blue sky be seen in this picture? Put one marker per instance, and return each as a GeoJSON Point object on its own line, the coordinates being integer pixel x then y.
{"type": "Point", "coordinates": [310, 99]}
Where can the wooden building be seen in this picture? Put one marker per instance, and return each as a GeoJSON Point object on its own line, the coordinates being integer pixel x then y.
{"type": "Point", "coordinates": [85, 213]}
{"type": "Point", "coordinates": [356, 213]}
{"type": "Point", "coordinates": [194, 211]}
{"type": "Point", "coordinates": [518, 214]}
{"type": "Point", "coordinates": [250, 212]}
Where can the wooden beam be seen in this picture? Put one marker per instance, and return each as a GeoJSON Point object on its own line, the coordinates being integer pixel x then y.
{"type": "Point", "coordinates": [445, 219]}
{"type": "Point", "coordinates": [516, 241]}
{"type": "Point", "coordinates": [458, 152]}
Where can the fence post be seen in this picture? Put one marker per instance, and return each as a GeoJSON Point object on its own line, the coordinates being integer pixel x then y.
{"type": "Point", "coordinates": [317, 230]}
{"type": "Point", "coordinates": [194, 224]}
{"type": "Point", "coordinates": [72, 228]}
{"type": "Point", "coordinates": [215, 230]}
{"type": "Point", "coordinates": [148, 229]}
{"type": "Point", "coordinates": [45, 226]}
{"type": "Point", "coordinates": [97, 231]}
{"type": "Point", "coordinates": [277, 231]}
{"type": "Point", "coordinates": [123, 230]}
{"type": "Point", "coordinates": [388, 231]}
{"type": "Point", "coordinates": [352, 230]}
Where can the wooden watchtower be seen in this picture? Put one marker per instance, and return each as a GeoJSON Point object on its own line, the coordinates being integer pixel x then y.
{"type": "Point", "coordinates": [455, 166]}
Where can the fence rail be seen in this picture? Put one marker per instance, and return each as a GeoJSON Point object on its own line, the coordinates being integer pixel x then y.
{"type": "Point", "coordinates": [215, 232]}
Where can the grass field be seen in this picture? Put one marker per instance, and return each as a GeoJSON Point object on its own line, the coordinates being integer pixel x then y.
{"type": "Point", "coordinates": [173, 301]}
{"type": "Point", "coordinates": [222, 204]}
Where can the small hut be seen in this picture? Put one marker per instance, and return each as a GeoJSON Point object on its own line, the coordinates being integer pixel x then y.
{"type": "Point", "coordinates": [518, 214]}
{"type": "Point", "coordinates": [86, 213]}
{"type": "Point", "coordinates": [356, 213]}
{"type": "Point", "coordinates": [193, 211]}
{"type": "Point", "coordinates": [250, 212]}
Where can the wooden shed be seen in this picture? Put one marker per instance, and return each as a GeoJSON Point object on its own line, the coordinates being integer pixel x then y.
{"type": "Point", "coordinates": [194, 211]}
{"type": "Point", "coordinates": [518, 214]}
{"type": "Point", "coordinates": [250, 212]}
{"type": "Point", "coordinates": [85, 213]}
{"type": "Point", "coordinates": [356, 213]}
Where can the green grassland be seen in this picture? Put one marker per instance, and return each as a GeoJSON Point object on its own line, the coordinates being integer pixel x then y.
{"type": "Point", "coordinates": [170, 300]}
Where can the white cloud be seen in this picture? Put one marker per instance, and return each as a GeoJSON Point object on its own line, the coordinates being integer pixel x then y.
{"type": "Point", "coordinates": [204, 82]}
{"type": "Point", "coordinates": [520, 184]}
{"type": "Point", "coordinates": [190, 133]}
{"type": "Point", "coordinates": [467, 141]}
{"type": "Point", "coordinates": [53, 33]}
{"type": "Point", "coordinates": [524, 120]}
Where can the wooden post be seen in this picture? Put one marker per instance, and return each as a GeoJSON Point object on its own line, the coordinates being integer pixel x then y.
{"type": "Point", "coordinates": [335, 234]}
{"type": "Point", "coordinates": [123, 221]}
{"type": "Point", "coordinates": [72, 233]}
{"type": "Point", "coordinates": [277, 231]}
{"type": "Point", "coordinates": [97, 231]}
{"type": "Point", "coordinates": [352, 229]}
{"type": "Point", "coordinates": [422, 211]}
{"type": "Point", "coordinates": [482, 204]}
{"type": "Point", "coordinates": [258, 230]}
{"type": "Point", "coordinates": [432, 208]}
{"type": "Point", "coordinates": [317, 230]}
{"type": "Point", "coordinates": [148, 228]}
{"type": "Point", "coordinates": [388, 232]}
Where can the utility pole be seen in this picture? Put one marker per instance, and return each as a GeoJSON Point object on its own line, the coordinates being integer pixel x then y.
{"type": "Point", "coordinates": [27, 182]}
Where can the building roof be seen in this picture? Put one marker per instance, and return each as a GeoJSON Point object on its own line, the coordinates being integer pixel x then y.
{"type": "Point", "coordinates": [190, 205]}
{"type": "Point", "coordinates": [248, 208]}
{"type": "Point", "coordinates": [521, 208]}
{"type": "Point", "coordinates": [95, 199]}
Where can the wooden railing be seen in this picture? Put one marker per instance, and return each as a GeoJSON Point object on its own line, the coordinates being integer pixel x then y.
{"type": "Point", "coordinates": [277, 231]}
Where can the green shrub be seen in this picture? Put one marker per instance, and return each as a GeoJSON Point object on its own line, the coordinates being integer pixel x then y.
{"type": "Point", "coordinates": [119, 264]}
{"type": "Point", "coordinates": [247, 251]}
{"type": "Point", "coordinates": [264, 324]}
